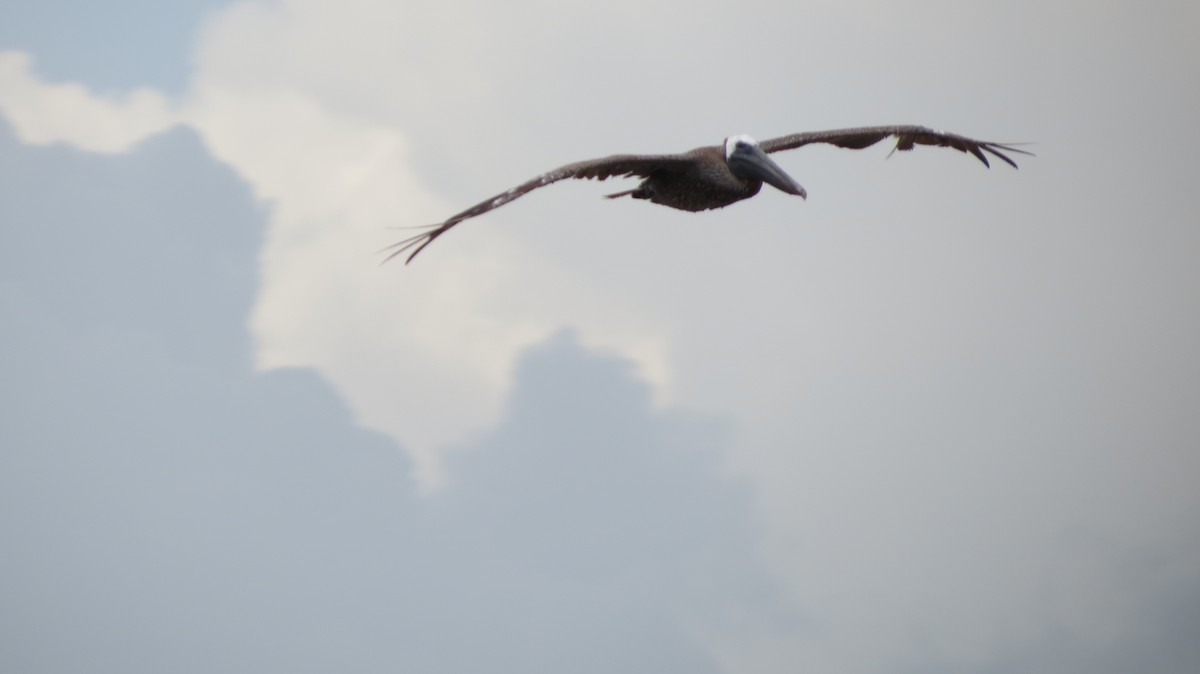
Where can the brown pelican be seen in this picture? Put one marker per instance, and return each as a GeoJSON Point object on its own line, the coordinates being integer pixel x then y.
{"type": "Point", "coordinates": [714, 176]}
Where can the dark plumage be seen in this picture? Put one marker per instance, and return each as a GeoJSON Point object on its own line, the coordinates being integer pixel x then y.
{"type": "Point", "coordinates": [714, 176]}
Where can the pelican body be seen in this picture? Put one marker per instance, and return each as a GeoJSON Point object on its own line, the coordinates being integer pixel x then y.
{"type": "Point", "coordinates": [714, 176]}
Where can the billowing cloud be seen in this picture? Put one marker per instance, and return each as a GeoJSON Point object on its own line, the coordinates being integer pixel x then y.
{"type": "Point", "coordinates": [964, 398]}
{"type": "Point", "coordinates": [167, 508]}
{"type": "Point", "coordinates": [69, 112]}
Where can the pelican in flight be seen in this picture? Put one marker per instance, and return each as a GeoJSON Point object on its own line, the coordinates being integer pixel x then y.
{"type": "Point", "coordinates": [714, 176]}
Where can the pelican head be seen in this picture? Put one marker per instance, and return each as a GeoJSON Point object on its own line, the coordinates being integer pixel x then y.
{"type": "Point", "coordinates": [748, 161]}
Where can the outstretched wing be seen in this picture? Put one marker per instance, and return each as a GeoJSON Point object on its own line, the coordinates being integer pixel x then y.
{"type": "Point", "coordinates": [907, 136]}
{"type": "Point", "coordinates": [623, 165]}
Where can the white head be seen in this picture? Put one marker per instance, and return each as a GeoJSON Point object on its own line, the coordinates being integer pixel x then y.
{"type": "Point", "coordinates": [748, 161]}
{"type": "Point", "coordinates": [733, 142]}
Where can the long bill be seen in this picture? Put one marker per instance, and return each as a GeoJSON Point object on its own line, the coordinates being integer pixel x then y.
{"type": "Point", "coordinates": [749, 161]}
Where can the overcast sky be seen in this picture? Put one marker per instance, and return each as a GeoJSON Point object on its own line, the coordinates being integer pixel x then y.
{"type": "Point", "coordinates": [934, 418]}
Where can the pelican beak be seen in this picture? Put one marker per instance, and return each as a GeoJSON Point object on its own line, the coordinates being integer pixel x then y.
{"type": "Point", "coordinates": [749, 161]}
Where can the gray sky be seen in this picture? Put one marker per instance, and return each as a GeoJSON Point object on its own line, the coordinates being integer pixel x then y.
{"type": "Point", "coordinates": [936, 417]}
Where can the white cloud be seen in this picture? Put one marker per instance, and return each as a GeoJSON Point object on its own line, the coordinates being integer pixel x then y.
{"type": "Point", "coordinates": [49, 113]}
{"type": "Point", "coordinates": [940, 373]}
{"type": "Point", "coordinates": [239, 520]}
{"type": "Point", "coordinates": [423, 352]}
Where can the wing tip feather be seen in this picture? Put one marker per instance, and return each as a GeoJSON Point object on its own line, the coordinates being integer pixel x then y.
{"type": "Point", "coordinates": [418, 241]}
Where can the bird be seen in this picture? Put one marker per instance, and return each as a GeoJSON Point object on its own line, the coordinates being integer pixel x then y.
{"type": "Point", "coordinates": [713, 176]}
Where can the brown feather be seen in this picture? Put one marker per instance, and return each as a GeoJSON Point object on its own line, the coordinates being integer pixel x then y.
{"type": "Point", "coordinates": [701, 179]}
{"type": "Point", "coordinates": [623, 165]}
{"type": "Point", "coordinates": [907, 136]}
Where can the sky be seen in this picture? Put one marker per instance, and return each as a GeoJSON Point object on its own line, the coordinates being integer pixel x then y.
{"type": "Point", "coordinates": [934, 418]}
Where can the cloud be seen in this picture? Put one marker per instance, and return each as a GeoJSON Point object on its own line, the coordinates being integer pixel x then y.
{"type": "Point", "coordinates": [332, 209]}
{"type": "Point", "coordinates": [605, 530]}
{"type": "Point", "coordinates": [169, 509]}
{"type": "Point", "coordinates": [70, 113]}
{"type": "Point", "coordinates": [156, 488]}
{"type": "Point", "coordinates": [965, 398]}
